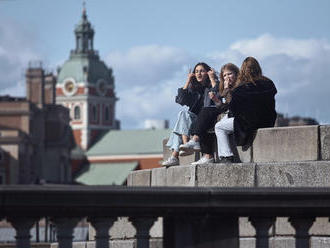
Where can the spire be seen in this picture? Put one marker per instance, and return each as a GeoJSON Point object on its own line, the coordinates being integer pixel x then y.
{"type": "Point", "coordinates": [84, 34]}
{"type": "Point", "coordinates": [84, 15]}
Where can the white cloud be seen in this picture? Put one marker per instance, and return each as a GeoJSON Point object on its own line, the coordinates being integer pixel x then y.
{"type": "Point", "coordinates": [299, 68]}
{"type": "Point", "coordinates": [267, 45]}
{"type": "Point", "coordinates": [147, 77]}
{"type": "Point", "coordinates": [16, 50]}
{"type": "Point", "coordinates": [146, 65]}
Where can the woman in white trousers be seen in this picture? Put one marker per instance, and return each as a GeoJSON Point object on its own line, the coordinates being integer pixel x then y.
{"type": "Point", "coordinates": [252, 106]}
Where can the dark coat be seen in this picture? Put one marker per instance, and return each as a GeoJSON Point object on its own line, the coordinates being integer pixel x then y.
{"type": "Point", "coordinates": [253, 107]}
{"type": "Point", "coordinates": [195, 98]}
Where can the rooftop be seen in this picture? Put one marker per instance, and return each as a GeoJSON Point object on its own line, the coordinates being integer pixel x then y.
{"type": "Point", "coordinates": [128, 142]}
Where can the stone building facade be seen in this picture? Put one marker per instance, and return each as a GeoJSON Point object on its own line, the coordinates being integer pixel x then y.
{"type": "Point", "coordinates": [36, 138]}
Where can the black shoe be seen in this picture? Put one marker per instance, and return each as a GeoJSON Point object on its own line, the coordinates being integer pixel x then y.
{"type": "Point", "coordinates": [226, 160]}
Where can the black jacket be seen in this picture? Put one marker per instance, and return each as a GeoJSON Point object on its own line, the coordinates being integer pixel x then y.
{"type": "Point", "coordinates": [195, 98]}
{"type": "Point", "coordinates": [253, 107]}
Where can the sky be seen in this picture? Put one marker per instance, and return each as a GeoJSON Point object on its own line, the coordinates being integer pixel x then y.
{"type": "Point", "coordinates": [151, 44]}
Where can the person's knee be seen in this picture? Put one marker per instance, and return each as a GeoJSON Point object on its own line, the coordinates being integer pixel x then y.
{"type": "Point", "coordinates": [182, 113]}
{"type": "Point", "coordinates": [218, 126]}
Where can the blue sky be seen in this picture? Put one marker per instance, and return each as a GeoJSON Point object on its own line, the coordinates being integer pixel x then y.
{"type": "Point", "coordinates": [151, 45]}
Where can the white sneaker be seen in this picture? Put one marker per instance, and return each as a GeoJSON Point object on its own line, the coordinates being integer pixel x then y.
{"type": "Point", "coordinates": [191, 146]}
{"type": "Point", "coordinates": [203, 160]}
{"type": "Point", "coordinates": [171, 161]}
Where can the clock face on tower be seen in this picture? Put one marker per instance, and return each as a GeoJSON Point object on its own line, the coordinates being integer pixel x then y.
{"type": "Point", "coordinates": [69, 87]}
{"type": "Point", "coordinates": [101, 87]}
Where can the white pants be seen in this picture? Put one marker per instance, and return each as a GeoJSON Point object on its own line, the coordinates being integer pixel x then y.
{"type": "Point", "coordinates": [222, 129]}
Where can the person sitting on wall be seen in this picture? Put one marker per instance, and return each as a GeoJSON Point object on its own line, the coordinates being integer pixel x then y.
{"type": "Point", "coordinates": [252, 106]}
{"type": "Point", "coordinates": [193, 94]}
{"type": "Point", "coordinates": [208, 115]}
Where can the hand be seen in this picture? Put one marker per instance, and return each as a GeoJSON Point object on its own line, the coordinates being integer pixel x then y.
{"type": "Point", "coordinates": [227, 84]}
{"type": "Point", "coordinates": [213, 96]}
{"type": "Point", "coordinates": [191, 75]}
{"type": "Point", "coordinates": [189, 79]}
{"type": "Point", "coordinates": [212, 74]}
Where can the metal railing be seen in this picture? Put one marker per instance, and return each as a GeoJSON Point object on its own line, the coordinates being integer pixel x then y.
{"type": "Point", "coordinates": [193, 217]}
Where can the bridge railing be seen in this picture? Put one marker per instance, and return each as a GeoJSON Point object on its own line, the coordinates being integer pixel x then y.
{"type": "Point", "coordinates": [193, 217]}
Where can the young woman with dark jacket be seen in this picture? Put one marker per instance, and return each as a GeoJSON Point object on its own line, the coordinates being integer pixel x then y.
{"type": "Point", "coordinates": [252, 106]}
{"type": "Point", "coordinates": [193, 94]}
{"type": "Point", "coordinates": [208, 115]}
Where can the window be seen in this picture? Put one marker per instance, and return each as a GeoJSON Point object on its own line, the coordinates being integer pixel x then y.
{"type": "Point", "coordinates": [107, 113]}
{"type": "Point", "coordinates": [94, 113]}
{"type": "Point", "coordinates": [76, 113]}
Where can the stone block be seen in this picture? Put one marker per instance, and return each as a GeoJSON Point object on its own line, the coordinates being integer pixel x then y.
{"type": "Point", "coordinates": [91, 232]}
{"type": "Point", "coordinates": [139, 178]}
{"type": "Point", "coordinates": [156, 243]}
{"type": "Point", "coordinates": [320, 227]}
{"type": "Point", "coordinates": [123, 243]}
{"type": "Point", "coordinates": [282, 242]}
{"type": "Point", "coordinates": [166, 150]}
{"type": "Point", "coordinates": [158, 177]}
{"type": "Point", "coordinates": [325, 142]}
{"type": "Point", "coordinates": [226, 175]}
{"type": "Point", "coordinates": [245, 156]}
{"type": "Point", "coordinates": [78, 244]}
{"type": "Point", "coordinates": [122, 229]}
{"type": "Point", "coordinates": [156, 231]}
{"type": "Point", "coordinates": [131, 243]}
{"type": "Point", "coordinates": [286, 144]}
{"type": "Point", "coordinates": [283, 227]}
{"type": "Point", "coordinates": [293, 174]}
{"type": "Point", "coordinates": [320, 242]}
{"type": "Point", "coordinates": [247, 243]}
{"type": "Point", "coordinates": [54, 245]}
{"type": "Point", "coordinates": [245, 228]}
{"type": "Point", "coordinates": [90, 244]}
{"type": "Point", "coordinates": [187, 160]}
{"type": "Point", "coordinates": [183, 175]}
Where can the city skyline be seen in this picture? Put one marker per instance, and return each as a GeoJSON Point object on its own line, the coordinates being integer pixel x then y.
{"type": "Point", "coordinates": [151, 46]}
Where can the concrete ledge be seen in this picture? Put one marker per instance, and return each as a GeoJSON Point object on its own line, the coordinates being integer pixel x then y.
{"type": "Point", "coordinates": [158, 177]}
{"type": "Point", "coordinates": [286, 144]}
{"type": "Point", "coordinates": [277, 174]}
{"type": "Point", "coordinates": [139, 178]}
{"type": "Point", "coordinates": [325, 142]}
{"type": "Point", "coordinates": [293, 174]}
{"type": "Point", "coordinates": [245, 156]}
{"type": "Point", "coordinates": [226, 175]}
{"type": "Point", "coordinates": [181, 175]}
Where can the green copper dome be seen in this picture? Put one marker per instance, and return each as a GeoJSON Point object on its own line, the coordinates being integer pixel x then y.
{"type": "Point", "coordinates": [85, 68]}
{"type": "Point", "coordinates": [84, 64]}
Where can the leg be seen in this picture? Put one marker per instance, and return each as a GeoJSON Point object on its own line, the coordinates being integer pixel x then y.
{"type": "Point", "coordinates": [222, 129]}
{"type": "Point", "coordinates": [205, 120]}
{"type": "Point", "coordinates": [185, 138]}
{"type": "Point", "coordinates": [179, 136]}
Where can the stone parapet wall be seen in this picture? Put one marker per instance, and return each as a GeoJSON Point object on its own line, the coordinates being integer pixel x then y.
{"type": "Point", "coordinates": [278, 157]}
{"type": "Point", "coordinates": [280, 174]}
{"type": "Point", "coordinates": [281, 144]}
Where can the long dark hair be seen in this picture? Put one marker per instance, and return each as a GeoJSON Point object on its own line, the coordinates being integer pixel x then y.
{"type": "Point", "coordinates": [250, 72]}
{"type": "Point", "coordinates": [194, 83]}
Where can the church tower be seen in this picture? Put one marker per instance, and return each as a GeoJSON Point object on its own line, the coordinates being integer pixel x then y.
{"type": "Point", "coordinates": [85, 85]}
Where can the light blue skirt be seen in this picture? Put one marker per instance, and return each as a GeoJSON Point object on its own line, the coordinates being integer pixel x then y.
{"type": "Point", "coordinates": [181, 127]}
